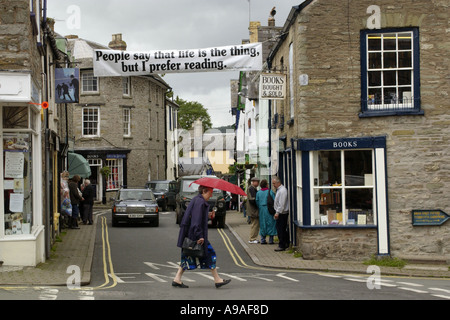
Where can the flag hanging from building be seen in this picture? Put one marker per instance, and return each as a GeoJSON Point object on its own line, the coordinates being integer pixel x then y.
{"type": "Point", "coordinates": [245, 57]}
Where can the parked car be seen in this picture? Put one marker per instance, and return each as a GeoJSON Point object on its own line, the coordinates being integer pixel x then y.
{"type": "Point", "coordinates": [135, 205]}
{"type": "Point", "coordinates": [165, 192]}
{"type": "Point", "coordinates": [188, 190]}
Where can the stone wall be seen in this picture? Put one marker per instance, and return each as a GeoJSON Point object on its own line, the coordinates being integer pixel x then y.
{"type": "Point", "coordinates": [337, 244]}
{"type": "Point", "coordinates": [326, 38]}
{"type": "Point", "coordinates": [18, 45]}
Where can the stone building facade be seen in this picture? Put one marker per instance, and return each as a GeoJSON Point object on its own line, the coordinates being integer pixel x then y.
{"type": "Point", "coordinates": [365, 126]}
{"type": "Point", "coordinates": [119, 123]}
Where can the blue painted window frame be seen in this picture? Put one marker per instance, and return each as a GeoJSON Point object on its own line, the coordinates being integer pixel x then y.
{"type": "Point", "coordinates": [416, 110]}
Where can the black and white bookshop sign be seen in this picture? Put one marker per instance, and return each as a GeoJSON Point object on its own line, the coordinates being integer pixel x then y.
{"type": "Point", "coordinates": [272, 86]}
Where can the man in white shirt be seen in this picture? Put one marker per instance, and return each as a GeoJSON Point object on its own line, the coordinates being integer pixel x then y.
{"type": "Point", "coordinates": [281, 206]}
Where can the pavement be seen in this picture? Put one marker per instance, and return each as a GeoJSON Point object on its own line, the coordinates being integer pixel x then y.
{"type": "Point", "coordinates": [77, 249]}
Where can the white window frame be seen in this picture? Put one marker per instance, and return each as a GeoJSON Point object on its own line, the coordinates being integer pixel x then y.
{"type": "Point", "coordinates": [379, 98]}
{"type": "Point", "coordinates": [126, 116]}
{"type": "Point", "coordinates": [33, 179]}
{"type": "Point", "coordinates": [96, 123]}
{"type": "Point", "coordinates": [396, 101]}
{"type": "Point", "coordinates": [126, 86]}
{"type": "Point", "coordinates": [315, 202]}
{"type": "Point", "coordinates": [298, 162]}
{"type": "Point", "coordinates": [89, 83]}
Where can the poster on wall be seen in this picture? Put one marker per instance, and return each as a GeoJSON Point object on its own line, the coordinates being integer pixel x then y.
{"type": "Point", "coordinates": [67, 85]}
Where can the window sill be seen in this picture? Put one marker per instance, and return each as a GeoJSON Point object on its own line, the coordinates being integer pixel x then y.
{"type": "Point", "coordinates": [387, 113]}
{"type": "Point", "coordinates": [35, 232]}
{"type": "Point", "coordinates": [90, 138]}
{"type": "Point", "coordinates": [336, 226]}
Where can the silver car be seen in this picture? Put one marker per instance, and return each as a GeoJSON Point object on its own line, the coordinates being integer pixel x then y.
{"type": "Point", "coordinates": [135, 205]}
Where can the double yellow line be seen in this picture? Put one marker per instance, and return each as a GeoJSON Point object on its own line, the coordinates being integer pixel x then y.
{"type": "Point", "coordinates": [107, 261]}
{"type": "Point", "coordinates": [240, 262]}
{"type": "Point", "coordinates": [233, 253]}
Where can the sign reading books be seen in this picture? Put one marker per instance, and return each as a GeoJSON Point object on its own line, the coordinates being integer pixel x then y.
{"type": "Point", "coordinates": [429, 217]}
{"type": "Point", "coordinates": [272, 86]}
{"type": "Point", "coordinates": [245, 57]}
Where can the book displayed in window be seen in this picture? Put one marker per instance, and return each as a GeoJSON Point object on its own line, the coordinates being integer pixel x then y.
{"type": "Point", "coordinates": [343, 187]}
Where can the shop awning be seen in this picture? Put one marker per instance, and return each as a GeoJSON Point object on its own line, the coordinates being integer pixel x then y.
{"type": "Point", "coordinates": [78, 165]}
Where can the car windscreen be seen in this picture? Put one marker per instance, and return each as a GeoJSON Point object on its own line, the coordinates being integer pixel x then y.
{"type": "Point", "coordinates": [136, 195]}
{"type": "Point", "coordinates": [158, 186]}
{"type": "Point", "coordinates": [188, 186]}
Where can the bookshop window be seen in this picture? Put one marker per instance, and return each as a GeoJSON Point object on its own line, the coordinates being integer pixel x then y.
{"type": "Point", "coordinates": [17, 172]}
{"type": "Point", "coordinates": [343, 187]}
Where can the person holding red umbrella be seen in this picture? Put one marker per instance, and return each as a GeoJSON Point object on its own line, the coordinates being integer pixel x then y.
{"type": "Point", "coordinates": [194, 225]}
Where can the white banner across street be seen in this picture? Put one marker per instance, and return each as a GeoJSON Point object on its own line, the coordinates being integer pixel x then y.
{"type": "Point", "coordinates": [245, 57]}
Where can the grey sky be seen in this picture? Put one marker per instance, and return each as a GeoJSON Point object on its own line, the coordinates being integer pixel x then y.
{"type": "Point", "coordinates": [173, 24]}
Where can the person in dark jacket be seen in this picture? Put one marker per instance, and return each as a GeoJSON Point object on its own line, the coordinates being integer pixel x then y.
{"type": "Point", "coordinates": [194, 225]}
{"type": "Point", "coordinates": [75, 199]}
{"type": "Point", "coordinates": [88, 203]}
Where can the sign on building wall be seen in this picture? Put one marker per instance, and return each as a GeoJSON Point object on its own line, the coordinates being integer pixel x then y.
{"type": "Point", "coordinates": [272, 86]}
{"type": "Point", "coordinates": [245, 57]}
{"type": "Point", "coordinates": [429, 217]}
{"type": "Point", "coordinates": [67, 85]}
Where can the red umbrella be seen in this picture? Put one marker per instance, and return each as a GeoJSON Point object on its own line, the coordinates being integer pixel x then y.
{"type": "Point", "coordinates": [220, 184]}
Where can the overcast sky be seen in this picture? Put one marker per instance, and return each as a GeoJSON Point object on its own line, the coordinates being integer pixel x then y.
{"type": "Point", "coordinates": [169, 25]}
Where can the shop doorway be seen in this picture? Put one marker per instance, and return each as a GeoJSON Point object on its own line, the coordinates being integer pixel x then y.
{"type": "Point", "coordinates": [96, 179]}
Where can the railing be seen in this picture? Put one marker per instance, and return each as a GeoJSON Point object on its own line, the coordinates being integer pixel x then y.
{"type": "Point", "coordinates": [391, 105]}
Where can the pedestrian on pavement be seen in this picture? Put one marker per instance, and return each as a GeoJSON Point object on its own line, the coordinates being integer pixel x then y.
{"type": "Point", "coordinates": [75, 199]}
{"type": "Point", "coordinates": [88, 203]}
{"type": "Point", "coordinates": [267, 224]}
{"type": "Point", "coordinates": [234, 201]}
{"type": "Point", "coordinates": [66, 210]}
{"type": "Point", "coordinates": [194, 225]}
{"type": "Point", "coordinates": [281, 206]}
{"type": "Point", "coordinates": [66, 206]}
{"type": "Point", "coordinates": [252, 209]}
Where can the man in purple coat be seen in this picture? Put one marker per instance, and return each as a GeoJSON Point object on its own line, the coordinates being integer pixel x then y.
{"type": "Point", "coordinates": [194, 225]}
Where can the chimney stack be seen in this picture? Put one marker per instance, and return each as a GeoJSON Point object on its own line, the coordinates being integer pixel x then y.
{"type": "Point", "coordinates": [117, 43]}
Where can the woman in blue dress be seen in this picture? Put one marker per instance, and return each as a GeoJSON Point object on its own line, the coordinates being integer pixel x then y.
{"type": "Point", "coordinates": [267, 224]}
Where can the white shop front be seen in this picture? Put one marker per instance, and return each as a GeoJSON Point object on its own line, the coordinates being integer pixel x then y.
{"type": "Point", "coordinates": [22, 236]}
